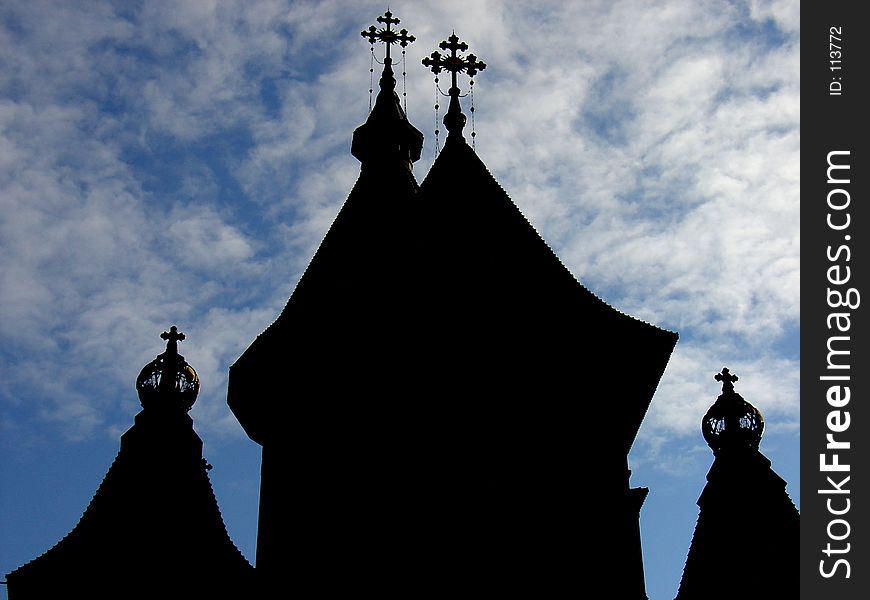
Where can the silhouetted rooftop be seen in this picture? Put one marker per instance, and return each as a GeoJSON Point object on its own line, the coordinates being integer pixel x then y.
{"type": "Point", "coordinates": [153, 525]}
{"type": "Point", "coordinates": [747, 537]}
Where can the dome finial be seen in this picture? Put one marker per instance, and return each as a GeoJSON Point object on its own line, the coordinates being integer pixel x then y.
{"type": "Point", "coordinates": [454, 120]}
{"type": "Point", "coordinates": [168, 381]}
{"type": "Point", "coordinates": [731, 422]}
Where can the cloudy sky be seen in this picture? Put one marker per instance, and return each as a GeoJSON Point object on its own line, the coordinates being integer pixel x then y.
{"type": "Point", "coordinates": [178, 162]}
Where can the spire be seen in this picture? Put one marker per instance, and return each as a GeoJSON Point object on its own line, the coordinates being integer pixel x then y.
{"type": "Point", "coordinates": [731, 422]}
{"type": "Point", "coordinates": [153, 528]}
{"type": "Point", "coordinates": [387, 134]}
{"type": "Point", "coordinates": [746, 540]}
{"type": "Point", "coordinates": [168, 381]}
{"type": "Point", "coordinates": [454, 120]}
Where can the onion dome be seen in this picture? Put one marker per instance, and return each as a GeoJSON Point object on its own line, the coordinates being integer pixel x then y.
{"type": "Point", "coordinates": [168, 382]}
{"type": "Point", "coordinates": [731, 422]}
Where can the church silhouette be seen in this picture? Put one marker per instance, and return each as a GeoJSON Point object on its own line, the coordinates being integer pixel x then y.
{"type": "Point", "coordinates": [153, 528]}
{"type": "Point", "coordinates": [429, 424]}
{"type": "Point", "coordinates": [747, 539]}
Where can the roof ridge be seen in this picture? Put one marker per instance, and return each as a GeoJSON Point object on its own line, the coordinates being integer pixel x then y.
{"type": "Point", "coordinates": [75, 531]}
{"type": "Point", "coordinates": [100, 499]}
{"type": "Point", "coordinates": [415, 188]}
{"type": "Point", "coordinates": [540, 237]}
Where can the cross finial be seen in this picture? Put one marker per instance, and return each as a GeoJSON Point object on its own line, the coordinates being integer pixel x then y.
{"type": "Point", "coordinates": [454, 63]}
{"type": "Point", "coordinates": [387, 35]}
{"type": "Point", "coordinates": [727, 379]}
{"type": "Point", "coordinates": [454, 120]}
{"type": "Point", "coordinates": [172, 337]}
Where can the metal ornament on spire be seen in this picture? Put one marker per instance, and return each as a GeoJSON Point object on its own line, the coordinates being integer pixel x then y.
{"type": "Point", "coordinates": [387, 134]}
{"type": "Point", "coordinates": [732, 422]}
{"type": "Point", "coordinates": [454, 120]}
{"type": "Point", "coordinates": [727, 379]}
{"type": "Point", "coordinates": [172, 337]}
{"type": "Point", "coordinates": [168, 382]}
{"type": "Point", "coordinates": [387, 35]}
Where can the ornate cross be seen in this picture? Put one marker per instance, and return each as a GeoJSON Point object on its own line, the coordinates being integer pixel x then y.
{"type": "Point", "coordinates": [172, 337]}
{"type": "Point", "coordinates": [727, 379]}
{"type": "Point", "coordinates": [386, 35]}
{"type": "Point", "coordinates": [454, 63]}
{"type": "Point", "coordinates": [454, 120]}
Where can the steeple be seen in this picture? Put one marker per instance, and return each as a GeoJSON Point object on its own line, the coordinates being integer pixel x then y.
{"type": "Point", "coordinates": [328, 389]}
{"type": "Point", "coordinates": [153, 527]}
{"type": "Point", "coordinates": [358, 278]}
{"type": "Point", "coordinates": [746, 540]}
{"type": "Point", "coordinates": [515, 326]}
{"type": "Point", "coordinates": [387, 134]}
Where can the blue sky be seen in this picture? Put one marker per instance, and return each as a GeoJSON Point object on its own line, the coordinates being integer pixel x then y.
{"type": "Point", "coordinates": [178, 163]}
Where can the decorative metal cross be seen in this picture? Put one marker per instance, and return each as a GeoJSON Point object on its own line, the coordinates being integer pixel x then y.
{"type": "Point", "coordinates": [172, 337]}
{"type": "Point", "coordinates": [386, 35]}
{"type": "Point", "coordinates": [454, 63]}
{"type": "Point", "coordinates": [454, 120]}
{"type": "Point", "coordinates": [727, 379]}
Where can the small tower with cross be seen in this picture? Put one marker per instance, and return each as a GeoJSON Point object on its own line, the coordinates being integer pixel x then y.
{"type": "Point", "coordinates": [153, 528]}
{"type": "Point", "coordinates": [387, 134]}
{"type": "Point", "coordinates": [746, 539]}
{"type": "Point", "coordinates": [556, 465]}
{"type": "Point", "coordinates": [333, 462]}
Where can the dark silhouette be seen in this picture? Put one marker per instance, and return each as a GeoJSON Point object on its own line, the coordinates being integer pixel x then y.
{"type": "Point", "coordinates": [443, 407]}
{"type": "Point", "coordinates": [747, 538]}
{"type": "Point", "coordinates": [153, 528]}
{"type": "Point", "coordinates": [454, 120]}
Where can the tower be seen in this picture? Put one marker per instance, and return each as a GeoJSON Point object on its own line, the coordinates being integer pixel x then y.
{"type": "Point", "coordinates": [153, 528]}
{"type": "Point", "coordinates": [557, 382]}
{"type": "Point", "coordinates": [442, 405]}
{"type": "Point", "coordinates": [326, 388]}
{"type": "Point", "coordinates": [747, 537]}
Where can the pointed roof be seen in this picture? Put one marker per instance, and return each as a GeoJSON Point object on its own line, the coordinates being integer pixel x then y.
{"type": "Point", "coordinates": [747, 536]}
{"type": "Point", "coordinates": [440, 375]}
{"type": "Point", "coordinates": [400, 271]}
{"type": "Point", "coordinates": [153, 524]}
{"type": "Point", "coordinates": [356, 280]}
{"type": "Point", "coordinates": [497, 269]}
{"type": "Point", "coordinates": [493, 266]}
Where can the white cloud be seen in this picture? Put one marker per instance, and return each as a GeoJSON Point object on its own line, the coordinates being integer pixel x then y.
{"type": "Point", "coordinates": [655, 147]}
{"type": "Point", "coordinates": [179, 163]}
{"type": "Point", "coordinates": [785, 13]}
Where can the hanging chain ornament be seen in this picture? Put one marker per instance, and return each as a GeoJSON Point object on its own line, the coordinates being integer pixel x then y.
{"type": "Point", "coordinates": [454, 120]}
{"type": "Point", "coordinates": [437, 106]}
{"type": "Point", "coordinates": [404, 83]}
{"type": "Point", "coordinates": [473, 132]}
{"type": "Point", "coordinates": [371, 77]}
